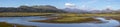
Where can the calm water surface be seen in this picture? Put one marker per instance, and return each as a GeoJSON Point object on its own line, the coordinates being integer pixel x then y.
{"type": "Point", "coordinates": [25, 21]}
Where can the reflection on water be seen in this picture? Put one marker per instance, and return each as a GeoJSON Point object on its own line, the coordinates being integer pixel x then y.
{"type": "Point", "coordinates": [25, 21]}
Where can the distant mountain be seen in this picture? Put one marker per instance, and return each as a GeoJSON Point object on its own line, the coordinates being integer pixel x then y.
{"type": "Point", "coordinates": [42, 9]}
{"type": "Point", "coordinates": [52, 9]}
{"type": "Point", "coordinates": [75, 10]}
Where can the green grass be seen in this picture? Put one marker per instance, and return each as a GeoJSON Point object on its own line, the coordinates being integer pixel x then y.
{"type": "Point", "coordinates": [77, 18]}
{"type": "Point", "coordinates": [86, 15]}
{"type": "Point", "coordinates": [64, 17]}
{"type": "Point", "coordinates": [5, 14]}
{"type": "Point", "coordinates": [47, 14]}
{"type": "Point", "coordinates": [68, 20]}
{"type": "Point", "coordinates": [4, 24]}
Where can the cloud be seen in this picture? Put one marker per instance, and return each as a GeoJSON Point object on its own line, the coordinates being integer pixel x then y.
{"type": "Point", "coordinates": [110, 7]}
{"type": "Point", "coordinates": [70, 5]}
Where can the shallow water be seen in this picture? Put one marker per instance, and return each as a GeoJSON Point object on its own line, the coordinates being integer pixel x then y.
{"type": "Point", "coordinates": [25, 21]}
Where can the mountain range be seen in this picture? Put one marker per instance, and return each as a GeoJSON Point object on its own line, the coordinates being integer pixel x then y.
{"type": "Point", "coordinates": [52, 9]}
{"type": "Point", "coordinates": [41, 9]}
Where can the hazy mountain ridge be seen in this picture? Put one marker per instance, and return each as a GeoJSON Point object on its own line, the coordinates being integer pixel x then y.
{"type": "Point", "coordinates": [52, 9]}
{"type": "Point", "coordinates": [43, 9]}
{"type": "Point", "coordinates": [75, 10]}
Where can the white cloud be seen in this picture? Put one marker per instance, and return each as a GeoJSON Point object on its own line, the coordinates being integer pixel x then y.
{"type": "Point", "coordinates": [110, 7]}
{"type": "Point", "coordinates": [70, 5]}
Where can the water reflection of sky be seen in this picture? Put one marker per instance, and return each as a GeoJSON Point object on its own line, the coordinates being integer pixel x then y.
{"type": "Point", "coordinates": [24, 21]}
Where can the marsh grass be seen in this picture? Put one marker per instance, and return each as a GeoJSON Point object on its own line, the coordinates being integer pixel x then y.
{"type": "Point", "coordinates": [48, 14]}
{"type": "Point", "coordinates": [4, 24]}
{"type": "Point", "coordinates": [15, 14]}
{"type": "Point", "coordinates": [68, 20]}
{"type": "Point", "coordinates": [62, 17]}
{"type": "Point", "coordinates": [77, 18]}
{"type": "Point", "coordinates": [115, 18]}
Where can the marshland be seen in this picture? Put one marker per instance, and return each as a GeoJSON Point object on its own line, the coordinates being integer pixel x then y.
{"type": "Point", "coordinates": [59, 13]}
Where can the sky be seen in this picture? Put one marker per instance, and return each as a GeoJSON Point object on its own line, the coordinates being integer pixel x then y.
{"type": "Point", "coordinates": [82, 4]}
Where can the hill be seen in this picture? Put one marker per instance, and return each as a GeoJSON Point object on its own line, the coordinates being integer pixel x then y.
{"type": "Point", "coordinates": [42, 9]}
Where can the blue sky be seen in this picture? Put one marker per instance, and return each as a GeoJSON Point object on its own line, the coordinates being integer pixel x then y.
{"type": "Point", "coordinates": [94, 4]}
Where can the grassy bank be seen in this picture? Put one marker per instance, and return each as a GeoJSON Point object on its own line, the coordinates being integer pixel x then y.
{"type": "Point", "coordinates": [15, 14]}
{"type": "Point", "coordinates": [48, 14]}
{"type": "Point", "coordinates": [4, 24]}
{"type": "Point", "coordinates": [88, 15]}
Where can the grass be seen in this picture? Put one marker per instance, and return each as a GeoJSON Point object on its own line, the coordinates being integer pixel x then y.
{"type": "Point", "coordinates": [88, 15]}
{"type": "Point", "coordinates": [4, 24]}
{"type": "Point", "coordinates": [115, 17]}
{"type": "Point", "coordinates": [68, 20]}
{"type": "Point", "coordinates": [48, 14]}
{"type": "Point", "coordinates": [6, 14]}
{"type": "Point", "coordinates": [77, 18]}
{"type": "Point", "coordinates": [64, 17]}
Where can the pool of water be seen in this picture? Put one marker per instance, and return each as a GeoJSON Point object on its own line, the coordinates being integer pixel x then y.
{"type": "Point", "coordinates": [25, 21]}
